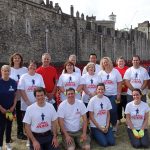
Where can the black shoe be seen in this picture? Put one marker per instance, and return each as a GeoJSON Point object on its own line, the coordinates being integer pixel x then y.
{"type": "Point", "coordinates": [21, 136]}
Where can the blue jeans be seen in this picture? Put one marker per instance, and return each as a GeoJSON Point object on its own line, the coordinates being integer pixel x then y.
{"type": "Point", "coordinates": [103, 139]}
{"type": "Point", "coordinates": [137, 143]}
{"type": "Point", "coordinates": [113, 111]}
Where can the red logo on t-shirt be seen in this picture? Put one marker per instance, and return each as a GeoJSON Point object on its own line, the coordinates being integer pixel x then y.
{"type": "Point", "coordinates": [78, 112]}
{"type": "Point", "coordinates": [108, 82]}
{"type": "Point", "coordinates": [70, 84]}
{"type": "Point", "coordinates": [31, 88]}
{"type": "Point", "coordinates": [91, 86]}
{"type": "Point", "coordinates": [136, 81]}
{"type": "Point", "coordinates": [137, 117]}
{"type": "Point", "coordinates": [102, 112]}
{"type": "Point", "coordinates": [43, 124]}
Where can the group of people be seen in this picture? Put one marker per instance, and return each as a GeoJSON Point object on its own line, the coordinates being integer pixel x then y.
{"type": "Point", "coordinates": [98, 96]}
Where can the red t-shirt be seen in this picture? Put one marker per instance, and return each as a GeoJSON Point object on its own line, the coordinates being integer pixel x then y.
{"type": "Point", "coordinates": [122, 72]}
{"type": "Point", "coordinates": [49, 75]}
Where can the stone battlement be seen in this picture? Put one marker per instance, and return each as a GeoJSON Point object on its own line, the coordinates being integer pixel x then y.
{"type": "Point", "coordinates": [33, 28]}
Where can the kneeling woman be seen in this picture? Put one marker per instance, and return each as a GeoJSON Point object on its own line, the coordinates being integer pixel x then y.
{"type": "Point", "coordinates": [99, 107]}
{"type": "Point", "coordinates": [137, 120]}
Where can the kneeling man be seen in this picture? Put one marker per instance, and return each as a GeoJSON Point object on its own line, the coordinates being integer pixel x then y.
{"type": "Point", "coordinates": [70, 112]}
{"type": "Point", "coordinates": [40, 123]}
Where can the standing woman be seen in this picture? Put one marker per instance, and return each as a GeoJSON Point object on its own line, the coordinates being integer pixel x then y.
{"type": "Point", "coordinates": [27, 83]}
{"type": "Point", "coordinates": [69, 79]}
{"type": "Point", "coordinates": [99, 110]}
{"type": "Point", "coordinates": [112, 81]}
{"type": "Point", "coordinates": [137, 113]}
{"type": "Point", "coordinates": [73, 59]}
{"type": "Point", "coordinates": [8, 88]}
{"type": "Point", "coordinates": [91, 81]}
{"type": "Point", "coordinates": [17, 70]}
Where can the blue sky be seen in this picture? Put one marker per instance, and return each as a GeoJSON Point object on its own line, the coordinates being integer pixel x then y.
{"type": "Point", "coordinates": [128, 12]}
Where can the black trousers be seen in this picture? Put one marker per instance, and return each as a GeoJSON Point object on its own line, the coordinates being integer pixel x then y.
{"type": "Point", "coordinates": [5, 126]}
{"type": "Point", "coordinates": [19, 118]}
{"type": "Point", "coordinates": [45, 142]}
{"type": "Point", "coordinates": [121, 106]}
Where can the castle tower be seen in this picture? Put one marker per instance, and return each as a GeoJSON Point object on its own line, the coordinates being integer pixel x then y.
{"type": "Point", "coordinates": [112, 17]}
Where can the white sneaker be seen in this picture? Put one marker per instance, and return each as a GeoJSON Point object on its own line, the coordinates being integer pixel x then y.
{"type": "Point", "coordinates": [8, 146]}
{"type": "Point", "coordinates": [28, 143]}
{"type": "Point", "coordinates": [114, 129]}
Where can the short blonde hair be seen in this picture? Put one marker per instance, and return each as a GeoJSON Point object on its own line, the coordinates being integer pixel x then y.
{"type": "Point", "coordinates": [109, 62]}
{"type": "Point", "coordinates": [88, 65]}
{"type": "Point", "coordinates": [46, 54]}
{"type": "Point", "coordinates": [5, 67]}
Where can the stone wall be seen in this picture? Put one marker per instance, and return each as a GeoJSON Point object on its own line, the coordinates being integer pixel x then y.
{"type": "Point", "coordinates": [32, 29]}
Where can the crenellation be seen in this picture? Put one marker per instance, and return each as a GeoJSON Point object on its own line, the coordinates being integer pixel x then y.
{"type": "Point", "coordinates": [57, 8]}
{"type": "Point", "coordinates": [33, 28]}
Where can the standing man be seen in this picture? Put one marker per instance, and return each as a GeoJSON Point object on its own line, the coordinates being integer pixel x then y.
{"type": "Point", "coordinates": [121, 67]}
{"type": "Point", "coordinates": [50, 78]}
{"type": "Point", "coordinates": [40, 123]}
{"type": "Point", "coordinates": [136, 77]}
{"type": "Point", "coordinates": [93, 59]}
{"type": "Point", "coordinates": [70, 112]}
{"type": "Point", "coordinates": [73, 59]}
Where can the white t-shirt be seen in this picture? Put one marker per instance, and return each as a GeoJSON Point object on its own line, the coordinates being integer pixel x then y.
{"type": "Point", "coordinates": [40, 118]}
{"type": "Point", "coordinates": [137, 113]}
{"type": "Point", "coordinates": [17, 73]}
{"type": "Point", "coordinates": [71, 114]}
{"type": "Point", "coordinates": [77, 70]}
{"type": "Point", "coordinates": [136, 78]}
{"type": "Point", "coordinates": [97, 69]}
{"type": "Point", "coordinates": [100, 107]}
{"type": "Point", "coordinates": [29, 83]}
{"type": "Point", "coordinates": [91, 82]}
{"type": "Point", "coordinates": [110, 80]}
{"type": "Point", "coordinates": [69, 80]}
